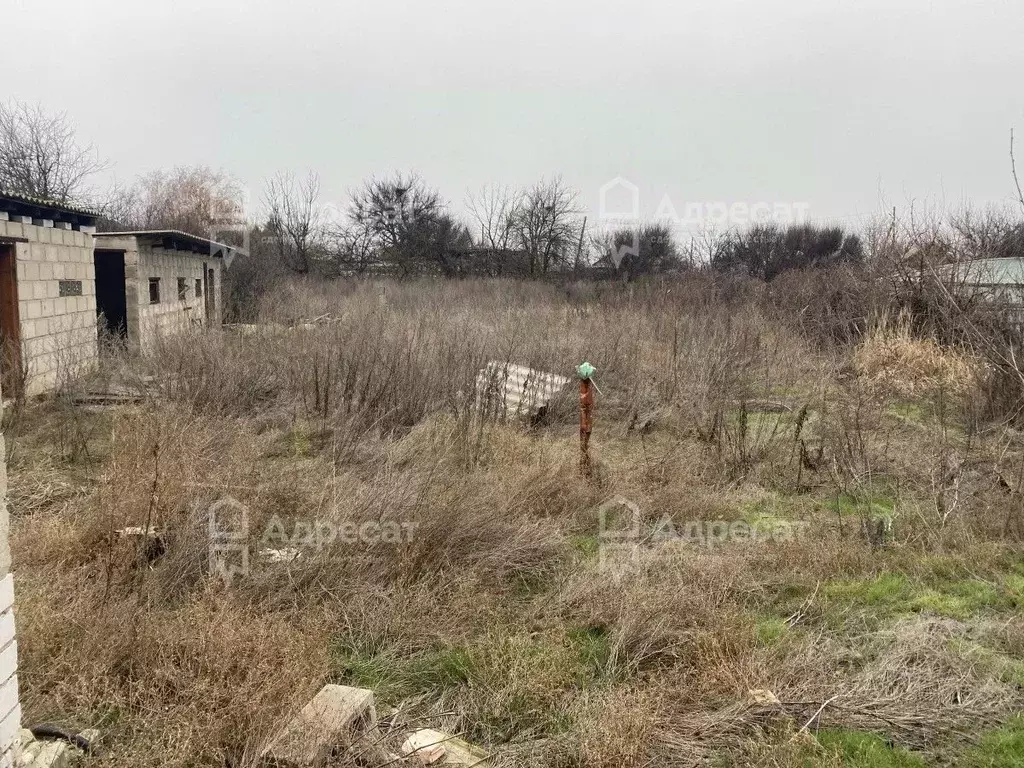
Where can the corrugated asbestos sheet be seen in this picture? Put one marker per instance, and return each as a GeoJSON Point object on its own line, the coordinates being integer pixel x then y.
{"type": "Point", "coordinates": [505, 391]}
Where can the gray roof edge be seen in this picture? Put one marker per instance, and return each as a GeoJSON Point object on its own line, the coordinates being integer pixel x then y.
{"type": "Point", "coordinates": [212, 245]}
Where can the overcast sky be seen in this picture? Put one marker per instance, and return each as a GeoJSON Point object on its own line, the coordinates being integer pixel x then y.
{"type": "Point", "coordinates": [846, 106]}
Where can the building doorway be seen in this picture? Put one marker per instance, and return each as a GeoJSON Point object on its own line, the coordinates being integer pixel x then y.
{"type": "Point", "coordinates": [208, 295]}
{"type": "Point", "coordinates": [111, 300]}
{"type": "Point", "coordinates": [11, 363]}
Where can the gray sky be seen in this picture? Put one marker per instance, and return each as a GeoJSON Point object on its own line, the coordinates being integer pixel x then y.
{"type": "Point", "coordinates": [846, 106]}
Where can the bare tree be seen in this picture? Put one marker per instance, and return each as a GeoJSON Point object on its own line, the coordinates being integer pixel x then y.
{"type": "Point", "coordinates": [295, 217]}
{"type": "Point", "coordinates": [350, 248]}
{"type": "Point", "coordinates": [547, 225]}
{"type": "Point", "coordinates": [193, 199]}
{"type": "Point", "coordinates": [495, 211]}
{"type": "Point", "coordinates": [396, 214]}
{"type": "Point", "coordinates": [39, 154]}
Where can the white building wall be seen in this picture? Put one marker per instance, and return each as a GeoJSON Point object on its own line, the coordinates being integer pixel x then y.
{"type": "Point", "coordinates": [172, 314]}
{"type": "Point", "coordinates": [10, 709]}
{"type": "Point", "coordinates": [58, 334]}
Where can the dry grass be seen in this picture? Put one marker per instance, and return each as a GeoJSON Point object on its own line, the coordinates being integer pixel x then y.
{"type": "Point", "coordinates": [497, 619]}
{"type": "Point", "coordinates": [899, 364]}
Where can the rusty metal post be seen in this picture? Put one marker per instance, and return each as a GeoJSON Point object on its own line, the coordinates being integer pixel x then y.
{"type": "Point", "coordinates": [585, 371]}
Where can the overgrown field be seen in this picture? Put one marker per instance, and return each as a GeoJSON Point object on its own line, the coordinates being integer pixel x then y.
{"type": "Point", "coordinates": [810, 553]}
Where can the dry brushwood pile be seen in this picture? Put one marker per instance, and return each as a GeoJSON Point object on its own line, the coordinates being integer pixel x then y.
{"type": "Point", "coordinates": [788, 552]}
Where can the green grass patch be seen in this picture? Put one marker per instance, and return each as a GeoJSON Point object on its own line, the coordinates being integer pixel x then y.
{"type": "Point", "coordinates": [770, 630]}
{"type": "Point", "coordinates": [1015, 586]}
{"type": "Point", "coordinates": [393, 675]}
{"type": "Point", "coordinates": [862, 504]}
{"type": "Point", "coordinates": [593, 649]}
{"type": "Point", "coordinates": [866, 750]}
{"type": "Point", "coordinates": [959, 599]}
{"type": "Point", "coordinates": [888, 589]}
{"type": "Point", "coordinates": [999, 748]}
{"type": "Point", "coordinates": [586, 545]}
{"type": "Point", "coordinates": [918, 414]}
{"type": "Point", "coordinates": [531, 679]}
{"type": "Point", "coordinates": [893, 594]}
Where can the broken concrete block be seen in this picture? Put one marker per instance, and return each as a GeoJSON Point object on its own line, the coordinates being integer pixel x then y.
{"type": "Point", "coordinates": [286, 555]}
{"type": "Point", "coordinates": [430, 747]}
{"type": "Point", "coordinates": [762, 697]}
{"type": "Point", "coordinates": [325, 723]}
{"type": "Point", "coordinates": [505, 391]}
{"type": "Point", "coordinates": [424, 747]}
{"type": "Point", "coordinates": [50, 754]}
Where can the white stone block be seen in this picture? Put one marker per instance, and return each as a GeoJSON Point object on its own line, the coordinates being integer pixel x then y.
{"type": "Point", "coordinates": [87, 229]}
{"type": "Point", "coordinates": [322, 725]}
{"type": "Point", "coordinates": [62, 225]}
{"type": "Point", "coordinates": [6, 627]}
{"type": "Point", "coordinates": [44, 223]}
{"type": "Point", "coordinates": [9, 728]}
{"type": "Point", "coordinates": [9, 660]}
{"type": "Point", "coordinates": [21, 219]}
{"type": "Point", "coordinates": [53, 754]}
{"type": "Point", "coordinates": [9, 695]}
{"type": "Point", "coordinates": [6, 593]}
{"type": "Point", "coordinates": [4, 216]}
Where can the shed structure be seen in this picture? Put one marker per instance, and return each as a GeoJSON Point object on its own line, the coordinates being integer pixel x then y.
{"type": "Point", "coordinates": [63, 286]}
{"type": "Point", "coordinates": [158, 282]}
{"type": "Point", "coordinates": [47, 292]}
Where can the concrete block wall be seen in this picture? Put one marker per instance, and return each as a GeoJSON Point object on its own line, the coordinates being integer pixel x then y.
{"type": "Point", "coordinates": [10, 709]}
{"type": "Point", "coordinates": [58, 334]}
{"type": "Point", "coordinates": [173, 315]}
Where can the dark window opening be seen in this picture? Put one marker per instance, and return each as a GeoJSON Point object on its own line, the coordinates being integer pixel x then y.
{"type": "Point", "coordinates": [182, 289]}
{"type": "Point", "coordinates": [154, 290]}
{"type": "Point", "coordinates": [70, 288]}
{"type": "Point", "coordinates": [199, 288]}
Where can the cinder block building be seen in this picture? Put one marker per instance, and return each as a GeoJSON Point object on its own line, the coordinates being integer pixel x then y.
{"type": "Point", "coordinates": [158, 282]}
{"type": "Point", "coordinates": [47, 292]}
{"type": "Point", "coordinates": [62, 286]}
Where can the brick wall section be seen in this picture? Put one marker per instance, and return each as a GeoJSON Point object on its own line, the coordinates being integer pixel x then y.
{"type": "Point", "coordinates": [58, 334]}
{"type": "Point", "coordinates": [172, 314]}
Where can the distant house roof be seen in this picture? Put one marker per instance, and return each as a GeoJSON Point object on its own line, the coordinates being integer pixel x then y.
{"type": "Point", "coordinates": [1006, 271]}
{"type": "Point", "coordinates": [42, 208]}
{"type": "Point", "coordinates": [173, 239]}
